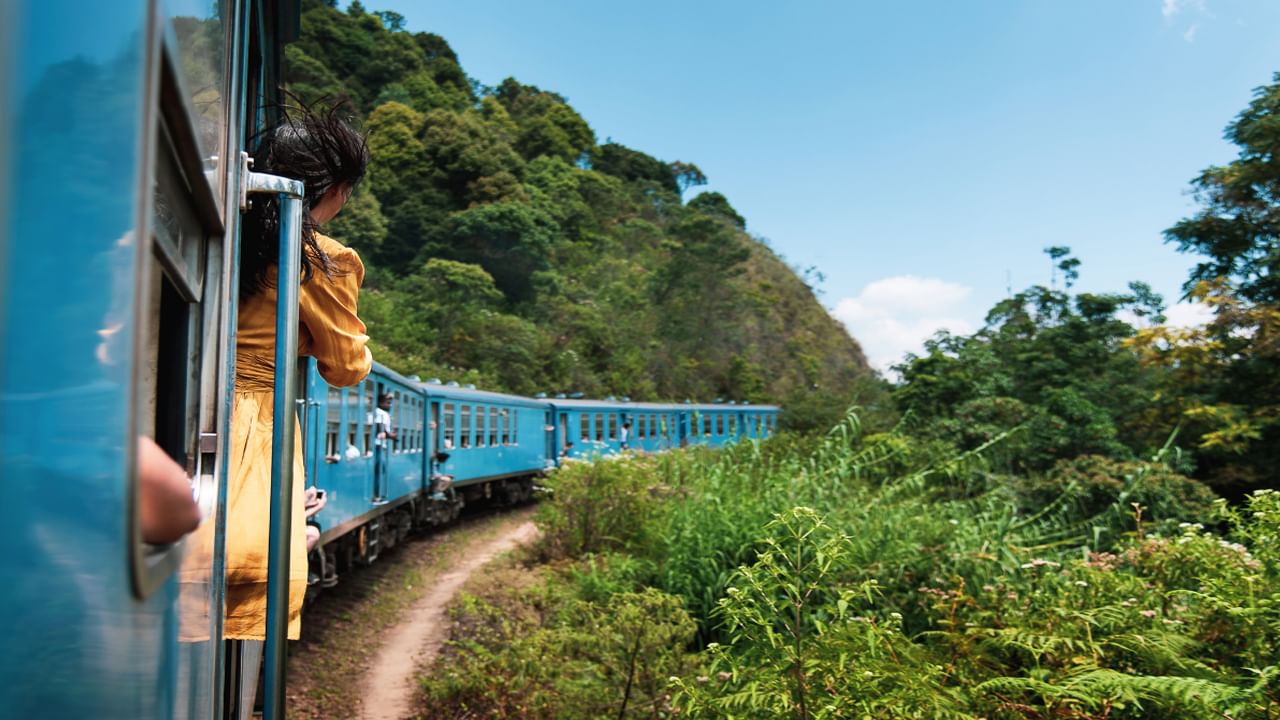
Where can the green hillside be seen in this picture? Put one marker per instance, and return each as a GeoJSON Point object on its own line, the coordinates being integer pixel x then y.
{"type": "Point", "coordinates": [508, 248]}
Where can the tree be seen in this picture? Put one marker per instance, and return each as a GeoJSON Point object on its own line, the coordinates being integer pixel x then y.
{"type": "Point", "coordinates": [1226, 375]}
{"type": "Point", "coordinates": [392, 21]}
{"type": "Point", "coordinates": [687, 175]}
{"type": "Point", "coordinates": [509, 240]}
{"type": "Point", "coordinates": [713, 203]}
{"type": "Point", "coordinates": [1238, 227]}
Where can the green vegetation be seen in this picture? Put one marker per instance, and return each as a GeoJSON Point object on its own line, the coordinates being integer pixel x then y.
{"type": "Point", "coordinates": [885, 575]}
{"type": "Point", "coordinates": [506, 247]}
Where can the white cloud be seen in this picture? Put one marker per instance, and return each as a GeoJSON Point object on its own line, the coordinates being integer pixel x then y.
{"type": "Point", "coordinates": [1188, 314]}
{"type": "Point", "coordinates": [895, 315]}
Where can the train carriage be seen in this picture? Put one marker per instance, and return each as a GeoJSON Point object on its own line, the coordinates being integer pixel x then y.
{"type": "Point", "coordinates": [493, 441]}
{"type": "Point", "coordinates": [374, 487]}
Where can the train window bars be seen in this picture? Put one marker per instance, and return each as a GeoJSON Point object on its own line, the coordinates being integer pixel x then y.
{"type": "Point", "coordinates": [586, 426]}
{"type": "Point", "coordinates": [493, 427]}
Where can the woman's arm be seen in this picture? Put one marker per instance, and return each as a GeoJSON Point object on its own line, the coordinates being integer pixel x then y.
{"type": "Point", "coordinates": [166, 510]}
{"type": "Point", "coordinates": [339, 341]}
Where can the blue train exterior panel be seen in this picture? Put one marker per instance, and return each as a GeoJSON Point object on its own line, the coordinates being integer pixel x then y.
{"type": "Point", "coordinates": [487, 435]}
{"type": "Point", "coordinates": [359, 472]}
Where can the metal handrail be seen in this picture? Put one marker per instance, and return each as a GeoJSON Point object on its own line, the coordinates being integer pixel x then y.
{"type": "Point", "coordinates": [289, 267]}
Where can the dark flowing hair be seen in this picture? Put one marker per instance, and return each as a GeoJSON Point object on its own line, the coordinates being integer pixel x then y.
{"type": "Point", "coordinates": [314, 144]}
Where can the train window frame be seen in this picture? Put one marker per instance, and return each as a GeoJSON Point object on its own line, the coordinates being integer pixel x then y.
{"type": "Point", "coordinates": [613, 427]}
{"type": "Point", "coordinates": [464, 426]}
{"type": "Point", "coordinates": [515, 426]}
{"type": "Point", "coordinates": [493, 426]}
{"type": "Point", "coordinates": [599, 427]}
{"type": "Point", "coordinates": [176, 404]}
{"type": "Point", "coordinates": [448, 422]}
{"type": "Point", "coordinates": [506, 426]}
{"type": "Point", "coordinates": [394, 421]}
{"type": "Point", "coordinates": [419, 411]}
{"type": "Point", "coordinates": [436, 423]}
{"type": "Point", "coordinates": [332, 424]}
{"type": "Point", "coordinates": [482, 438]}
{"type": "Point", "coordinates": [351, 418]}
{"type": "Point", "coordinates": [584, 419]}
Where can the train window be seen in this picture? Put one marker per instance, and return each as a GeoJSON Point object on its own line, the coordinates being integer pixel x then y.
{"type": "Point", "coordinates": [586, 426]}
{"type": "Point", "coordinates": [719, 424]}
{"type": "Point", "coordinates": [435, 423]}
{"type": "Point", "coordinates": [449, 430]}
{"type": "Point", "coordinates": [464, 429]}
{"type": "Point", "coordinates": [201, 35]}
{"type": "Point", "coordinates": [613, 426]}
{"type": "Point", "coordinates": [599, 427]}
{"type": "Point", "coordinates": [417, 425]}
{"type": "Point", "coordinates": [396, 420]}
{"type": "Point", "coordinates": [332, 428]}
{"type": "Point", "coordinates": [481, 433]}
{"type": "Point", "coordinates": [506, 427]}
{"type": "Point", "coordinates": [493, 427]}
{"type": "Point", "coordinates": [515, 427]}
{"type": "Point", "coordinates": [653, 426]}
{"type": "Point", "coordinates": [414, 423]}
{"type": "Point", "coordinates": [368, 406]}
{"type": "Point", "coordinates": [348, 420]}
{"type": "Point", "coordinates": [641, 422]}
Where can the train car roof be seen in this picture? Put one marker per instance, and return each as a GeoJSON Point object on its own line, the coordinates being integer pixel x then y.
{"type": "Point", "coordinates": [474, 395]}
{"type": "Point", "coordinates": [657, 407]}
{"type": "Point", "coordinates": [383, 370]}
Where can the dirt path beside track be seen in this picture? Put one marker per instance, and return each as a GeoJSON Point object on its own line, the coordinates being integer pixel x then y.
{"type": "Point", "coordinates": [364, 641]}
{"type": "Point", "coordinates": [389, 687]}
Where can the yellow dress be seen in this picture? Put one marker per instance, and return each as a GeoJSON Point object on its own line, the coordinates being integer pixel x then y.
{"type": "Point", "coordinates": [329, 331]}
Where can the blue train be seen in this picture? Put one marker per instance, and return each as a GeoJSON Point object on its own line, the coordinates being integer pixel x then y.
{"type": "Point", "coordinates": [123, 135]}
{"type": "Point", "coordinates": [457, 445]}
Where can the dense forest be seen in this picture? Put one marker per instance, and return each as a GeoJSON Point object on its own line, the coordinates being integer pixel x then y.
{"type": "Point", "coordinates": [508, 248]}
{"type": "Point", "coordinates": [1066, 514]}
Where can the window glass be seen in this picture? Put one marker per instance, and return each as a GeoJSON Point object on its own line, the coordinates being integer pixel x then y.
{"type": "Point", "coordinates": [493, 427]}
{"type": "Point", "coordinates": [506, 427]}
{"type": "Point", "coordinates": [599, 427]}
{"type": "Point", "coordinates": [586, 426]}
{"type": "Point", "coordinates": [515, 426]}
{"type": "Point", "coordinates": [719, 424]}
{"type": "Point", "coordinates": [464, 427]}
{"type": "Point", "coordinates": [613, 426]}
{"type": "Point", "coordinates": [200, 29]}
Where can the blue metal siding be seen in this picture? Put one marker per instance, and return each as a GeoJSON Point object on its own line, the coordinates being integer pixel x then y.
{"type": "Point", "coordinates": [78, 644]}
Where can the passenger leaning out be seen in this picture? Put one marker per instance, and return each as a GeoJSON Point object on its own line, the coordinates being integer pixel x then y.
{"type": "Point", "coordinates": [329, 156]}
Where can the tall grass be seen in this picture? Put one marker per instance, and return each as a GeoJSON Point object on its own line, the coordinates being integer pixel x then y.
{"type": "Point", "coordinates": [885, 576]}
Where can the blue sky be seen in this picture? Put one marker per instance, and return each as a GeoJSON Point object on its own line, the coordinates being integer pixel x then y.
{"type": "Point", "coordinates": [920, 154]}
